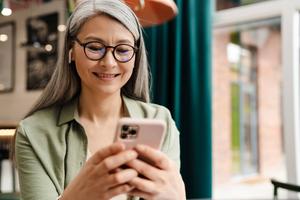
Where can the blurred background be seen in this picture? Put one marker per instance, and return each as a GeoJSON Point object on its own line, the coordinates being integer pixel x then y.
{"type": "Point", "coordinates": [228, 70]}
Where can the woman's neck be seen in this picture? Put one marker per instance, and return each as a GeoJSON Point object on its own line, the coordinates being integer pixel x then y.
{"type": "Point", "coordinates": [100, 108]}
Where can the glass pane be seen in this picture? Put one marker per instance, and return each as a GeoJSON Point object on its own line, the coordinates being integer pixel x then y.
{"type": "Point", "coordinates": [225, 4]}
{"type": "Point", "coordinates": [247, 120]}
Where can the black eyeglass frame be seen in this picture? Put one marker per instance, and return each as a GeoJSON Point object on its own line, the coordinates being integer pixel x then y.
{"type": "Point", "coordinates": [83, 45]}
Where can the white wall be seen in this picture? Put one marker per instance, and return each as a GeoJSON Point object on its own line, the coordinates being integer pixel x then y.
{"type": "Point", "coordinates": [15, 104]}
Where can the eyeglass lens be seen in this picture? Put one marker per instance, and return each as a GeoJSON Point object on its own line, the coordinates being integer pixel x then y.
{"type": "Point", "coordinates": [97, 50]}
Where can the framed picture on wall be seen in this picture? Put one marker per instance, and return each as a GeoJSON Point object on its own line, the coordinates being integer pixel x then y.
{"type": "Point", "coordinates": [7, 56]}
{"type": "Point", "coordinates": [42, 42]}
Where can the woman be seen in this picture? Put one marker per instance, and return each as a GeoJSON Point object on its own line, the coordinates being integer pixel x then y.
{"type": "Point", "coordinates": [64, 147]}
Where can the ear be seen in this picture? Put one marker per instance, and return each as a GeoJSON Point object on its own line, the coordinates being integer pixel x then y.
{"type": "Point", "coordinates": [70, 55]}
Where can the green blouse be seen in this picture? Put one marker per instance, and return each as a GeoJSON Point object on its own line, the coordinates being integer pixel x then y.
{"type": "Point", "coordinates": [51, 146]}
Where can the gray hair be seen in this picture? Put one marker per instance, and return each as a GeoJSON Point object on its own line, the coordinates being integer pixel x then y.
{"type": "Point", "coordinates": [65, 83]}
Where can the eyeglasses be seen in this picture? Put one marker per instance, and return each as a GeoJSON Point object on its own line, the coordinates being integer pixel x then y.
{"type": "Point", "coordinates": [95, 50]}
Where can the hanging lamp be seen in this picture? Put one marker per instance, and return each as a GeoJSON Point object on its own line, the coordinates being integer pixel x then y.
{"type": "Point", "coordinates": [153, 12]}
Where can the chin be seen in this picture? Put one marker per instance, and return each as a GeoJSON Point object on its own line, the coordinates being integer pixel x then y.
{"type": "Point", "coordinates": [108, 91]}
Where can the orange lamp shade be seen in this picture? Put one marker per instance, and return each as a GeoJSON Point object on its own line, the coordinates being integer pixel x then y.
{"type": "Point", "coordinates": [153, 12]}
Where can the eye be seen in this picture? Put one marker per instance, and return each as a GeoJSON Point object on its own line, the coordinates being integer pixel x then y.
{"type": "Point", "coordinates": [123, 49]}
{"type": "Point", "coordinates": [95, 47]}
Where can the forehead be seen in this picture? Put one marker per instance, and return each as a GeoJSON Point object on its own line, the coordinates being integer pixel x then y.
{"type": "Point", "coordinates": [106, 28]}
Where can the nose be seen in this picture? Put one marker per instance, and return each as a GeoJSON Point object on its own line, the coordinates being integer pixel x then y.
{"type": "Point", "coordinates": [108, 60]}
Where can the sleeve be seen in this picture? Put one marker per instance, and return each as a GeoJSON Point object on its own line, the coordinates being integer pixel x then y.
{"type": "Point", "coordinates": [35, 184]}
{"type": "Point", "coordinates": [171, 144]}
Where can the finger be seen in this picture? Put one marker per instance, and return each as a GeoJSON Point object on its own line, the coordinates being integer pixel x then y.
{"type": "Point", "coordinates": [138, 193]}
{"type": "Point", "coordinates": [105, 152]}
{"type": "Point", "coordinates": [120, 189]}
{"type": "Point", "coordinates": [121, 177]}
{"type": "Point", "coordinates": [115, 170]}
{"type": "Point", "coordinates": [144, 185]}
{"type": "Point", "coordinates": [157, 157]}
{"type": "Point", "coordinates": [144, 169]}
{"type": "Point", "coordinates": [116, 161]}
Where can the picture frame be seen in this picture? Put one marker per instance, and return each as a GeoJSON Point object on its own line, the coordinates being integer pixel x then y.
{"type": "Point", "coordinates": [7, 56]}
{"type": "Point", "coordinates": [42, 49]}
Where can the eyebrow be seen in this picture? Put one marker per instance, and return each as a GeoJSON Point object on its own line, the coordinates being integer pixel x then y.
{"type": "Point", "coordinates": [93, 38]}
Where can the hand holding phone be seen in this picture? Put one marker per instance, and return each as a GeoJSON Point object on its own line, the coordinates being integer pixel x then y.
{"type": "Point", "coordinates": [152, 165]}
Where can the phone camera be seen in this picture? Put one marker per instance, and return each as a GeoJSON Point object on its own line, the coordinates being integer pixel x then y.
{"type": "Point", "coordinates": [123, 135]}
{"type": "Point", "coordinates": [125, 128]}
{"type": "Point", "coordinates": [132, 132]}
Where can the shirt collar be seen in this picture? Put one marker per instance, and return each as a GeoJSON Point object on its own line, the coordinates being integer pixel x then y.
{"type": "Point", "coordinates": [133, 107]}
{"type": "Point", "coordinates": [69, 111]}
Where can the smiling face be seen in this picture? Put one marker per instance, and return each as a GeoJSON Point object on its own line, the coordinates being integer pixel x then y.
{"type": "Point", "coordinates": [106, 76]}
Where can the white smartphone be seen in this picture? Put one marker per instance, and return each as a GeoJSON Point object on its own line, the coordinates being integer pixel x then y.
{"type": "Point", "coordinates": [133, 131]}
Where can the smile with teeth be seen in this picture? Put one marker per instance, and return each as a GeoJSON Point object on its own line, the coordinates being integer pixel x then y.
{"type": "Point", "coordinates": [105, 76]}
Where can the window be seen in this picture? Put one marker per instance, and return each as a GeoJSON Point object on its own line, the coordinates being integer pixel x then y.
{"type": "Point", "coordinates": [256, 97]}
{"type": "Point", "coordinates": [247, 77]}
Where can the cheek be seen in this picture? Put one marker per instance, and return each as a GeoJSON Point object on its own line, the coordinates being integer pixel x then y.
{"type": "Point", "coordinates": [128, 69]}
{"type": "Point", "coordinates": [83, 71]}
{"type": "Point", "coordinates": [79, 69]}
{"type": "Point", "coordinates": [131, 64]}
{"type": "Point", "coordinates": [81, 65]}
{"type": "Point", "coordinates": [128, 75]}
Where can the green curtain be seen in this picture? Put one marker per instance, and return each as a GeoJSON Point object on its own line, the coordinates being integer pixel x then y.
{"type": "Point", "coordinates": [180, 60]}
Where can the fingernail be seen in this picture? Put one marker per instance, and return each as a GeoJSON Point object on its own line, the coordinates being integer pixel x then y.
{"type": "Point", "coordinates": [132, 154]}
{"type": "Point", "coordinates": [140, 147]}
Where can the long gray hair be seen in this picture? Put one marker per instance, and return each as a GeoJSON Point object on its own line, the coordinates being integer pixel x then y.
{"type": "Point", "coordinates": [65, 83]}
